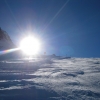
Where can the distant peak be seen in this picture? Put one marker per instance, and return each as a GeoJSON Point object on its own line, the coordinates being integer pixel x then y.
{"type": "Point", "coordinates": [1, 34]}
{"type": "Point", "coordinates": [4, 35]}
{"type": "Point", "coordinates": [5, 41]}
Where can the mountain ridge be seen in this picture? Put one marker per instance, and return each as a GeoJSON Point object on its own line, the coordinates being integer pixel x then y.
{"type": "Point", "coordinates": [5, 41]}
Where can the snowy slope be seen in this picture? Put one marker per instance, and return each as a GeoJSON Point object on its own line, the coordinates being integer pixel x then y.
{"type": "Point", "coordinates": [5, 41]}
{"type": "Point", "coordinates": [44, 79]}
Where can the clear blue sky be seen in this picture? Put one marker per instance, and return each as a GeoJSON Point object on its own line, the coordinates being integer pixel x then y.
{"type": "Point", "coordinates": [69, 27]}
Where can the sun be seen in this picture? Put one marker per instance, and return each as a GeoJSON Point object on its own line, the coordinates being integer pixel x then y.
{"type": "Point", "coordinates": [30, 45]}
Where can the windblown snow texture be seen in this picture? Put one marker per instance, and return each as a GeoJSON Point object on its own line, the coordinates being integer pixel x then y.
{"type": "Point", "coordinates": [55, 79]}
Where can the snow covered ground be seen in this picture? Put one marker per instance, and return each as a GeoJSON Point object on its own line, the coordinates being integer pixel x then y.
{"type": "Point", "coordinates": [50, 79]}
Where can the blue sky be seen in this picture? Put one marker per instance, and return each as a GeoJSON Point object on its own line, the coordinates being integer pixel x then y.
{"type": "Point", "coordinates": [65, 27]}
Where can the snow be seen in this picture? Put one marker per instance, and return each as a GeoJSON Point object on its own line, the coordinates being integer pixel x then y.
{"type": "Point", "coordinates": [50, 79]}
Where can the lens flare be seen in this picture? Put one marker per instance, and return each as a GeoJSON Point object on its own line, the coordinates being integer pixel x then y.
{"type": "Point", "coordinates": [8, 51]}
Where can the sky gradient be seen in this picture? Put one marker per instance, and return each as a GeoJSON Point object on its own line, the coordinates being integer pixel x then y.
{"type": "Point", "coordinates": [65, 27]}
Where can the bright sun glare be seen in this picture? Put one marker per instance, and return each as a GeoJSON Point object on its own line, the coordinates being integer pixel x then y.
{"type": "Point", "coordinates": [30, 45]}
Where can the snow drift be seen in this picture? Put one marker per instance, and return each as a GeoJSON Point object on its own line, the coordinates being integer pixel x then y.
{"type": "Point", "coordinates": [63, 79]}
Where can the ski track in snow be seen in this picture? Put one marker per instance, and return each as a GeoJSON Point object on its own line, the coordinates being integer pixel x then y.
{"type": "Point", "coordinates": [50, 79]}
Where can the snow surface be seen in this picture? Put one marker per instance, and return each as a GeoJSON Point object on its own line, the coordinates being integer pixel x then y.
{"type": "Point", "coordinates": [50, 79]}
